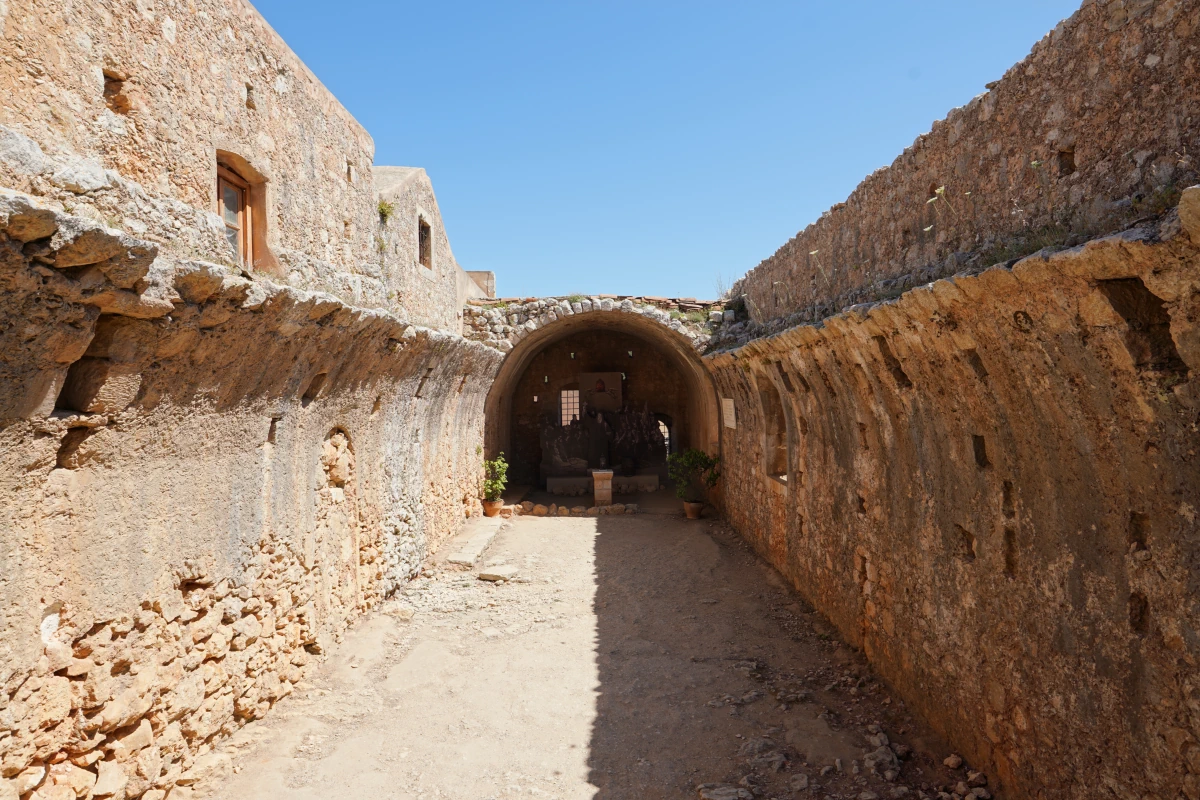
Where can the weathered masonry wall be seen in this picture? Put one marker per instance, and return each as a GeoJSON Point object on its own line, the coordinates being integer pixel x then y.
{"type": "Point", "coordinates": [185, 79]}
{"type": "Point", "coordinates": [990, 485]}
{"type": "Point", "coordinates": [431, 295]}
{"type": "Point", "coordinates": [203, 479]}
{"type": "Point", "coordinates": [1098, 127]}
{"type": "Point", "coordinates": [120, 112]}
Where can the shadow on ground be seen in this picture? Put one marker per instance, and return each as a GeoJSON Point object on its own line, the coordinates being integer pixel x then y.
{"type": "Point", "coordinates": [712, 671]}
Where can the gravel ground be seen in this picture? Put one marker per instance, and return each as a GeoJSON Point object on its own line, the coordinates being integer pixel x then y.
{"type": "Point", "coordinates": [630, 657]}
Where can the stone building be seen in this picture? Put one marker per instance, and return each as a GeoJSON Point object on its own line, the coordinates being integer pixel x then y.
{"type": "Point", "coordinates": [245, 390]}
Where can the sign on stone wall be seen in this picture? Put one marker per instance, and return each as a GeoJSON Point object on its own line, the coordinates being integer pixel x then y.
{"type": "Point", "coordinates": [727, 412]}
{"type": "Point", "coordinates": [601, 390]}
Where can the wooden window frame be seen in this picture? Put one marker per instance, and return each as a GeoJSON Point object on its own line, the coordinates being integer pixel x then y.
{"type": "Point", "coordinates": [425, 259]}
{"type": "Point", "coordinates": [227, 177]}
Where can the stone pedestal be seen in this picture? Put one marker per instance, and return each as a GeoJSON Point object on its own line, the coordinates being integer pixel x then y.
{"type": "Point", "coordinates": [602, 486]}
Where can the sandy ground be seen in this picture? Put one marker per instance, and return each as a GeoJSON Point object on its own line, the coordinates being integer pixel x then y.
{"type": "Point", "coordinates": [632, 657]}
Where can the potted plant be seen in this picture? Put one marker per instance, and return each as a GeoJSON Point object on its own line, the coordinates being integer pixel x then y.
{"type": "Point", "coordinates": [495, 478]}
{"type": "Point", "coordinates": [693, 472]}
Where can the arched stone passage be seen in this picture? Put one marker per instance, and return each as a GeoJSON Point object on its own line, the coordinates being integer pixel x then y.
{"type": "Point", "coordinates": [601, 341]}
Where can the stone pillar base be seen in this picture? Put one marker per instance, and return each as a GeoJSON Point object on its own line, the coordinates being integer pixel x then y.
{"type": "Point", "coordinates": [602, 486]}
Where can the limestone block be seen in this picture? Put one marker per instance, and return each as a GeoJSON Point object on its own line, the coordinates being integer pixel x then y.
{"type": "Point", "coordinates": [111, 780]}
{"type": "Point", "coordinates": [79, 241]}
{"type": "Point", "coordinates": [24, 218]}
{"type": "Point", "coordinates": [81, 175]}
{"type": "Point", "coordinates": [127, 745]}
{"type": "Point", "coordinates": [53, 791]}
{"type": "Point", "coordinates": [539, 510]}
{"type": "Point", "coordinates": [79, 780]}
{"type": "Point", "coordinates": [22, 154]}
{"type": "Point", "coordinates": [1189, 212]}
{"type": "Point", "coordinates": [100, 386]}
{"type": "Point", "coordinates": [28, 779]}
{"type": "Point", "coordinates": [503, 572]}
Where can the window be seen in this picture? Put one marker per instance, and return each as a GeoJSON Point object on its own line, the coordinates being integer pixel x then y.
{"type": "Point", "coordinates": [232, 197]}
{"type": "Point", "coordinates": [424, 244]}
{"type": "Point", "coordinates": [569, 403]}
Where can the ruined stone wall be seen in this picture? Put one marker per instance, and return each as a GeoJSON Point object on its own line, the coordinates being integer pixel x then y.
{"type": "Point", "coordinates": [118, 112]}
{"type": "Point", "coordinates": [1098, 127]}
{"type": "Point", "coordinates": [991, 488]}
{"type": "Point", "coordinates": [203, 478]}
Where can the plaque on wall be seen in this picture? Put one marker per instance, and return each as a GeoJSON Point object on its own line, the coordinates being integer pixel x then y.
{"type": "Point", "coordinates": [601, 390]}
{"type": "Point", "coordinates": [727, 412]}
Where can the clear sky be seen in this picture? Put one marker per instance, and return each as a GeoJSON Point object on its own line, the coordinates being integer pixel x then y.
{"type": "Point", "coordinates": [648, 147]}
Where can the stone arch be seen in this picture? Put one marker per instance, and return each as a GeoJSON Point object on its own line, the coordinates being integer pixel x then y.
{"type": "Point", "coordinates": [677, 347]}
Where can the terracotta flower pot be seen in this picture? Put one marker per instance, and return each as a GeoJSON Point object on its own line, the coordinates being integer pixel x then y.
{"type": "Point", "coordinates": [492, 507]}
{"type": "Point", "coordinates": [692, 509]}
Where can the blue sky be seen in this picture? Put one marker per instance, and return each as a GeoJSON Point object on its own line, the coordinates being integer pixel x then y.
{"type": "Point", "coordinates": [648, 148]}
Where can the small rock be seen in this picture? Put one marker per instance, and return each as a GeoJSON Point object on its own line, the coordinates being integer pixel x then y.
{"type": "Point", "coordinates": [799, 782]}
{"type": "Point", "coordinates": [868, 796]}
{"type": "Point", "coordinates": [8, 791]}
{"type": "Point", "coordinates": [404, 613]}
{"type": "Point", "coordinates": [753, 747]}
{"type": "Point", "coordinates": [29, 778]}
{"type": "Point", "coordinates": [976, 778]}
{"type": "Point", "coordinates": [953, 761]}
{"type": "Point", "coordinates": [80, 175]}
{"type": "Point", "coordinates": [526, 507]}
{"type": "Point", "coordinates": [540, 510]}
{"type": "Point", "coordinates": [500, 573]}
{"type": "Point", "coordinates": [899, 792]}
{"type": "Point", "coordinates": [722, 791]}
{"type": "Point", "coordinates": [112, 779]}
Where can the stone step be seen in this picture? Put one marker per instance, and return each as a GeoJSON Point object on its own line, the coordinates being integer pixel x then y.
{"type": "Point", "coordinates": [466, 548]}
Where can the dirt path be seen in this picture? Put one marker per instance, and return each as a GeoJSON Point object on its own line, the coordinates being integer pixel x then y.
{"type": "Point", "coordinates": [632, 657]}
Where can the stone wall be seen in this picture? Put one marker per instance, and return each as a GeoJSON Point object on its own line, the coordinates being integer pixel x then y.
{"type": "Point", "coordinates": [119, 113]}
{"type": "Point", "coordinates": [989, 485]}
{"type": "Point", "coordinates": [152, 89]}
{"type": "Point", "coordinates": [504, 322]}
{"type": "Point", "coordinates": [203, 479]}
{"type": "Point", "coordinates": [1098, 127]}
{"type": "Point", "coordinates": [431, 295]}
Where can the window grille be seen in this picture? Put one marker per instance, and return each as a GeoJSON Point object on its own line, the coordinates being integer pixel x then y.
{"type": "Point", "coordinates": [570, 405]}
